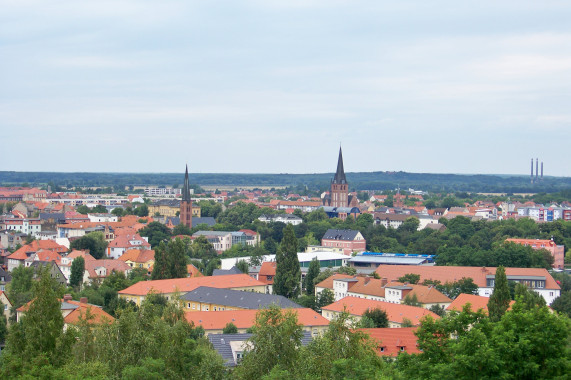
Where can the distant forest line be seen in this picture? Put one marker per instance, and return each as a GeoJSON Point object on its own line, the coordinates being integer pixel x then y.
{"type": "Point", "coordinates": [319, 181]}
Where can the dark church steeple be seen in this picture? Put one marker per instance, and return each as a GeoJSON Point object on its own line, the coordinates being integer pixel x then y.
{"type": "Point", "coordinates": [340, 173]}
{"type": "Point", "coordinates": [186, 188]}
{"type": "Point", "coordinates": [186, 203]}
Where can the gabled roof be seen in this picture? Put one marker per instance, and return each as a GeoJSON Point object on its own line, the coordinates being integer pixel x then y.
{"type": "Point", "coordinates": [138, 255]}
{"type": "Point", "coordinates": [237, 298]}
{"type": "Point", "coordinates": [109, 264]}
{"type": "Point", "coordinates": [35, 246]}
{"type": "Point", "coordinates": [98, 315]}
{"type": "Point", "coordinates": [188, 284]}
{"type": "Point", "coordinates": [124, 241]}
{"type": "Point", "coordinates": [453, 273]}
{"type": "Point", "coordinates": [243, 319]}
{"type": "Point", "coordinates": [226, 272]}
{"type": "Point", "coordinates": [476, 302]}
{"type": "Point", "coordinates": [346, 235]}
{"type": "Point", "coordinates": [395, 312]}
{"type": "Point", "coordinates": [268, 268]}
{"type": "Point", "coordinates": [427, 294]}
{"type": "Point", "coordinates": [80, 253]}
{"type": "Point", "coordinates": [328, 282]}
{"type": "Point", "coordinates": [48, 256]}
{"type": "Point", "coordinates": [193, 271]}
{"type": "Point", "coordinates": [391, 340]}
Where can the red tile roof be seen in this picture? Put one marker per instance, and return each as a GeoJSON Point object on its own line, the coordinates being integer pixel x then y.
{"type": "Point", "coordinates": [391, 340]}
{"type": "Point", "coordinates": [190, 283]}
{"type": "Point", "coordinates": [268, 268]}
{"type": "Point", "coordinates": [396, 312]}
{"type": "Point", "coordinates": [476, 302]}
{"type": "Point", "coordinates": [109, 264]}
{"type": "Point", "coordinates": [35, 246]}
{"type": "Point", "coordinates": [193, 271]}
{"type": "Point", "coordinates": [99, 316]}
{"type": "Point", "coordinates": [138, 255]}
{"type": "Point", "coordinates": [243, 319]}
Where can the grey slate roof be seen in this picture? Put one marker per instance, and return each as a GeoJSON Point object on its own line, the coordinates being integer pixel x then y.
{"type": "Point", "coordinates": [204, 220]}
{"type": "Point", "coordinates": [348, 235]}
{"type": "Point", "coordinates": [225, 272]}
{"type": "Point", "coordinates": [221, 343]}
{"type": "Point", "coordinates": [237, 298]}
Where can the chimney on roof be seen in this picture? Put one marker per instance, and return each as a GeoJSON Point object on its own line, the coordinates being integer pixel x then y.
{"type": "Point", "coordinates": [83, 300]}
{"type": "Point", "coordinates": [67, 297]}
{"type": "Point", "coordinates": [384, 281]}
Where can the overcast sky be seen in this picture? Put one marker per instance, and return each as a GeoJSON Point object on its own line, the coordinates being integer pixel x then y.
{"type": "Point", "coordinates": [275, 86]}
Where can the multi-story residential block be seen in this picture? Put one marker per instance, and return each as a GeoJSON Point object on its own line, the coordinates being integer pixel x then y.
{"type": "Point", "coordinates": [397, 314]}
{"type": "Point", "coordinates": [537, 279]}
{"type": "Point", "coordinates": [350, 240]}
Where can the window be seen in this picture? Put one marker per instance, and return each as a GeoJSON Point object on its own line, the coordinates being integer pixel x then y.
{"type": "Point", "coordinates": [382, 349]}
{"type": "Point", "coordinates": [401, 348]}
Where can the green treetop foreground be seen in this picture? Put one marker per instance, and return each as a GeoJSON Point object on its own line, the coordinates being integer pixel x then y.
{"type": "Point", "coordinates": [155, 341]}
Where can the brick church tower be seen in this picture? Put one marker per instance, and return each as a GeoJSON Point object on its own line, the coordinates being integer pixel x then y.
{"type": "Point", "coordinates": [186, 203]}
{"type": "Point", "coordinates": [339, 194]}
{"type": "Point", "coordinates": [339, 188]}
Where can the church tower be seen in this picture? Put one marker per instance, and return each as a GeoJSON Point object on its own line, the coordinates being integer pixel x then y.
{"type": "Point", "coordinates": [186, 203]}
{"type": "Point", "coordinates": [339, 194]}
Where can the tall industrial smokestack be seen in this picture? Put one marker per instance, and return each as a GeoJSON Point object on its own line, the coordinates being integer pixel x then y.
{"type": "Point", "coordinates": [532, 170]}
{"type": "Point", "coordinates": [542, 170]}
{"type": "Point", "coordinates": [536, 169]}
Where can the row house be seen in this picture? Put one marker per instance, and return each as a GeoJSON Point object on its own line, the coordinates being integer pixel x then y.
{"type": "Point", "coordinates": [350, 240]}
{"type": "Point", "coordinates": [26, 226]}
{"type": "Point", "coordinates": [537, 279]}
{"type": "Point", "coordinates": [214, 322]}
{"type": "Point", "coordinates": [397, 314]}
{"type": "Point", "coordinates": [67, 261]}
{"type": "Point", "coordinates": [281, 218]}
{"type": "Point", "coordinates": [381, 290]}
{"type": "Point", "coordinates": [19, 257]}
{"type": "Point", "coordinates": [123, 242]}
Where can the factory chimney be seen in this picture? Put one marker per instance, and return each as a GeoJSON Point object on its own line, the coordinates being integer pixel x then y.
{"type": "Point", "coordinates": [542, 170]}
{"type": "Point", "coordinates": [536, 169]}
{"type": "Point", "coordinates": [532, 170]}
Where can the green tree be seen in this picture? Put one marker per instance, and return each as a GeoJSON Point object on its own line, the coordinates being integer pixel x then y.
{"type": "Point", "coordinates": [562, 304]}
{"type": "Point", "coordinates": [288, 272]}
{"type": "Point", "coordinates": [411, 300]}
{"type": "Point", "coordinates": [156, 232]}
{"type": "Point", "coordinates": [324, 298]}
{"type": "Point", "coordinates": [275, 341]}
{"type": "Point", "coordinates": [176, 258]}
{"type": "Point", "coordinates": [243, 266]}
{"type": "Point", "coordinates": [21, 287]}
{"type": "Point", "coordinates": [378, 316]}
{"type": "Point", "coordinates": [312, 273]}
{"type": "Point", "coordinates": [94, 242]}
{"type": "Point", "coordinates": [181, 229]}
{"type": "Point", "coordinates": [500, 298]}
{"type": "Point", "coordinates": [160, 267]}
{"type": "Point", "coordinates": [40, 331]}
{"type": "Point", "coordinates": [411, 278]}
{"type": "Point", "coordinates": [230, 328]}
{"type": "Point", "coordinates": [77, 271]}
{"type": "Point", "coordinates": [3, 328]}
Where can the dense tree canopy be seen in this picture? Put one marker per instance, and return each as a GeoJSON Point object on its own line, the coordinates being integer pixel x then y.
{"type": "Point", "coordinates": [288, 272]}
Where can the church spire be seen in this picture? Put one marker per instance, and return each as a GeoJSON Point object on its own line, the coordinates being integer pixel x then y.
{"type": "Point", "coordinates": [340, 173]}
{"type": "Point", "coordinates": [186, 188]}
